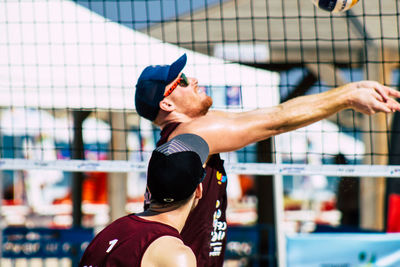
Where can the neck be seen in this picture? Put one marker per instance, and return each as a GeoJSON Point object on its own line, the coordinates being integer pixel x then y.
{"type": "Point", "coordinates": [165, 118]}
{"type": "Point", "coordinates": [174, 218]}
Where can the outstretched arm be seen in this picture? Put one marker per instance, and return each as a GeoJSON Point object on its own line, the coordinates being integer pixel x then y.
{"type": "Point", "coordinates": [231, 131]}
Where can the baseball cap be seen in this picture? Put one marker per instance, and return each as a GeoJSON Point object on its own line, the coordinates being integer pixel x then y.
{"type": "Point", "coordinates": [151, 84]}
{"type": "Point", "coordinates": [176, 168]}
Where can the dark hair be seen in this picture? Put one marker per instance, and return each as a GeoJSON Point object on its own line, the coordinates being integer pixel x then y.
{"type": "Point", "coordinates": [164, 206]}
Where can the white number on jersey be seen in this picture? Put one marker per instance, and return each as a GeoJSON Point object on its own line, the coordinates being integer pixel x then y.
{"type": "Point", "coordinates": [112, 244]}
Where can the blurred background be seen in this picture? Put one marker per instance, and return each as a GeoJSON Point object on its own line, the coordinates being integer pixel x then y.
{"type": "Point", "coordinates": [74, 152]}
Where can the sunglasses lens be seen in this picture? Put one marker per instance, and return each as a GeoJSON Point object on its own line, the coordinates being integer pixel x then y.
{"type": "Point", "coordinates": [184, 80]}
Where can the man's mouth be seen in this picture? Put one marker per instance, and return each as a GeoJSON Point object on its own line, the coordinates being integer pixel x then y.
{"type": "Point", "coordinates": [201, 89]}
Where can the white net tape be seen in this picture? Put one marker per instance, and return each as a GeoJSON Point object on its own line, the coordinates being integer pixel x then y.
{"type": "Point", "coordinates": [236, 168]}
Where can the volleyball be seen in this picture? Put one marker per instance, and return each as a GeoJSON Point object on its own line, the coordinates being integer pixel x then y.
{"type": "Point", "coordinates": [335, 5]}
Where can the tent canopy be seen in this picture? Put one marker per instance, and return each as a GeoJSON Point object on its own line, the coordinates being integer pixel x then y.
{"type": "Point", "coordinates": [58, 54]}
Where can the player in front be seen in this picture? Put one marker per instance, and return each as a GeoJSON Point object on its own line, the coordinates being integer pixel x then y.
{"type": "Point", "coordinates": [152, 238]}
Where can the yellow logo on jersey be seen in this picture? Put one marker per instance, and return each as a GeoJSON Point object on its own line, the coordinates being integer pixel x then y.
{"type": "Point", "coordinates": [221, 178]}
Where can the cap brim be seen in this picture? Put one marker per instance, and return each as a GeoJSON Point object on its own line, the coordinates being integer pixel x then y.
{"type": "Point", "coordinates": [176, 68]}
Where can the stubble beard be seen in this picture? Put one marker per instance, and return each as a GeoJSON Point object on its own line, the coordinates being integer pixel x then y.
{"type": "Point", "coordinates": [206, 104]}
{"type": "Point", "coordinates": [202, 108]}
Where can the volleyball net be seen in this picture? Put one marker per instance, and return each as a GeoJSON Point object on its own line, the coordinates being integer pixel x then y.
{"type": "Point", "coordinates": [68, 71]}
{"type": "Point", "coordinates": [71, 66]}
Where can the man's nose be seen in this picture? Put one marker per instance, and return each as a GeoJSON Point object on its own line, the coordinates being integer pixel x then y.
{"type": "Point", "coordinates": [193, 80]}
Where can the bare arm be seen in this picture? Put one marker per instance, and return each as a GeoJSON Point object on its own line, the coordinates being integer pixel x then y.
{"type": "Point", "coordinates": [228, 132]}
{"type": "Point", "coordinates": [168, 251]}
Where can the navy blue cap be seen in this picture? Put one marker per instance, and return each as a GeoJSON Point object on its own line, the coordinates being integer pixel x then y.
{"type": "Point", "coordinates": [176, 168]}
{"type": "Point", "coordinates": [151, 84]}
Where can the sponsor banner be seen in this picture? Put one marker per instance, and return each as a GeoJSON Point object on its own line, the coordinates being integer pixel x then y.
{"type": "Point", "coordinates": [45, 243]}
{"type": "Point", "coordinates": [343, 250]}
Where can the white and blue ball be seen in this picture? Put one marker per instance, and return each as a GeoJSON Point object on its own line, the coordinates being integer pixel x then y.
{"type": "Point", "coordinates": [335, 5]}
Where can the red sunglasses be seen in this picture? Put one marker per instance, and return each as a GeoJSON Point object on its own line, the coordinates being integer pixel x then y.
{"type": "Point", "coordinates": [182, 81]}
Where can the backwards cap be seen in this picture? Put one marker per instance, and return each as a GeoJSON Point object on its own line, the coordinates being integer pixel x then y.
{"type": "Point", "coordinates": [176, 168]}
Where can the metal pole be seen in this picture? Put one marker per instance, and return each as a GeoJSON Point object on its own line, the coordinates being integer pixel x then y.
{"type": "Point", "coordinates": [375, 137]}
{"type": "Point", "coordinates": [279, 220]}
{"type": "Point", "coordinates": [266, 203]}
{"type": "Point", "coordinates": [117, 182]}
{"type": "Point", "coordinates": [77, 177]}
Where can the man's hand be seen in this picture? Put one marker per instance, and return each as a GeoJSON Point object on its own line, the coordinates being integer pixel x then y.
{"type": "Point", "coordinates": [370, 97]}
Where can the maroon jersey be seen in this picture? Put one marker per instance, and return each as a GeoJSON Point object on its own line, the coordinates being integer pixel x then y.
{"type": "Point", "coordinates": [124, 242]}
{"type": "Point", "coordinates": [205, 229]}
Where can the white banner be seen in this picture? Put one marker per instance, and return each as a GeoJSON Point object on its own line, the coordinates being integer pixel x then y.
{"type": "Point", "coordinates": [344, 250]}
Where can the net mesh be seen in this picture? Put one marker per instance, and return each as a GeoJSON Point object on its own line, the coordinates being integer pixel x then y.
{"type": "Point", "coordinates": [71, 66]}
{"type": "Point", "coordinates": [68, 71]}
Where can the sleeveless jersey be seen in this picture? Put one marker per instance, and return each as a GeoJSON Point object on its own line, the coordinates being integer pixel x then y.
{"type": "Point", "coordinates": [124, 242]}
{"type": "Point", "coordinates": [205, 228]}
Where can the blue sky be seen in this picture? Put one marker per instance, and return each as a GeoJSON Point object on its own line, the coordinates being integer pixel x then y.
{"type": "Point", "coordinates": [138, 14]}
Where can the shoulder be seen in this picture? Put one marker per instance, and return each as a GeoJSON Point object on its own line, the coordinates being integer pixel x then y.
{"type": "Point", "coordinates": [212, 127]}
{"type": "Point", "coordinates": [168, 251]}
{"type": "Point", "coordinates": [206, 123]}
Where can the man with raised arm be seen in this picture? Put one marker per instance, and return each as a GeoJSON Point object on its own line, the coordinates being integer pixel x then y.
{"type": "Point", "coordinates": [152, 238]}
{"type": "Point", "coordinates": [172, 101]}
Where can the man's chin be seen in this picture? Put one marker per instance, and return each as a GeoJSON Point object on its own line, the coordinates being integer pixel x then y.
{"type": "Point", "coordinates": [210, 101]}
{"type": "Point", "coordinates": [207, 105]}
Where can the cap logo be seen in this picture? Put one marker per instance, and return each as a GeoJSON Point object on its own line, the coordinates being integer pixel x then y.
{"type": "Point", "coordinates": [168, 199]}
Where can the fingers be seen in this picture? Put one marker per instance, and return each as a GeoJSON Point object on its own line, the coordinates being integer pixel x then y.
{"type": "Point", "coordinates": [383, 107]}
{"type": "Point", "coordinates": [392, 92]}
{"type": "Point", "coordinates": [378, 96]}
{"type": "Point", "coordinates": [381, 98]}
{"type": "Point", "coordinates": [383, 104]}
{"type": "Point", "coordinates": [388, 92]}
{"type": "Point", "coordinates": [389, 106]}
{"type": "Point", "coordinates": [383, 91]}
{"type": "Point", "coordinates": [393, 105]}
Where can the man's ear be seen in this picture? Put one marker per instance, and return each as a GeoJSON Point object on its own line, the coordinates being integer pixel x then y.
{"type": "Point", "coordinates": [199, 191]}
{"type": "Point", "coordinates": [167, 105]}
